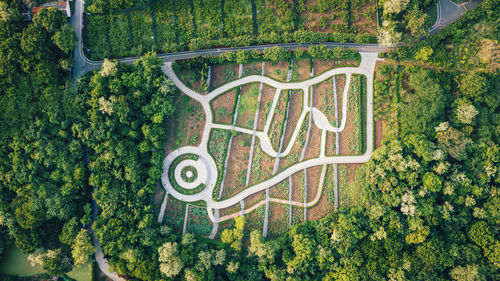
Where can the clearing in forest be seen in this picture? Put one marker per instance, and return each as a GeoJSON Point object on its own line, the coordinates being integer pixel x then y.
{"type": "Point", "coordinates": [271, 142]}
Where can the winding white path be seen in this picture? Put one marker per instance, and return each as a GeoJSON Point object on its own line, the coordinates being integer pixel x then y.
{"type": "Point", "coordinates": [207, 166]}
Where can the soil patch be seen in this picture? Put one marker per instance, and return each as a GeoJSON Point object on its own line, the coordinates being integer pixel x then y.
{"type": "Point", "coordinates": [280, 190]}
{"type": "Point", "coordinates": [294, 156]}
{"type": "Point", "coordinates": [266, 102]}
{"type": "Point", "coordinates": [379, 133]}
{"type": "Point", "coordinates": [222, 74]}
{"type": "Point", "coordinates": [186, 124]}
{"type": "Point", "coordinates": [313, 146]}
{"type": "Point", "coordinates": [321, 66]}
{"type": "Point", "coordinates": [313, 177]}
{"type": "Point", "coordinates": [262, 164]}
{"type": "Point", "coordinates": [254, 68]}
{"type": "Point", "coordinates": [276, 127]}
{"type": "Point", "coordinates": [223, 106]}
{"type": "Point", "coordinates": [325, 204]}
{"type": "Point", "coordinates": [301, 70]}
{"type": "Point", "coordinates": [294, 111]}
{"type": "Point", "coordinates": [277, 71]}
{"type": "Point", "coordinates": [298, 186]}
{"type": "Point", "coordinates": [236, 170]}
{"type": "Point", "coordinates": [230, 210]}
{"type": "Point", "coordinates": [278, 220]}
{"type": "Point", "coordinates": [330, 144]}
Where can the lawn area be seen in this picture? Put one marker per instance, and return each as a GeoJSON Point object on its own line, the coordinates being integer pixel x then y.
{"type": "Point", "coordinates": [248, 105]}
{"type": "Point", "coordinates": [15, 262]}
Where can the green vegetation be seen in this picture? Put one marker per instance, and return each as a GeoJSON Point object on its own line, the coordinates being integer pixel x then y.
{"type": "Point", "coordinates": [122, 28]}
{"type": "Point", "coordinates": [217, 148]}
{"type": "Point", "coordinates": [430, 204]}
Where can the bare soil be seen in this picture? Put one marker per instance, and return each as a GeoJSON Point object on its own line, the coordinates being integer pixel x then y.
{"type": "Point", "coordinates": [313, 146]}
{"type": "Point", "coordinates": [294, 155]}
{"type": "Point", "coordinates": [364, 24]}
{"type": "Point", "coordinates": [379, 133]}
{"type": "Point", "coordinates": [222, 74]}
{"type": "Point", "coordinates": [278, 220]}
{"type": "Point", "coordinates": [294, 111]}
{"type": "Point", "coordinates": [323, 207]}
{"type": "Point", "coordinates": [313, 177]}
{"type": "Point", "coordinates": [265, 105]}
{"type": "Point", "coordinates": [254, 199]}
{"type": "Point", "coordinates": [324, 99]}
{"type": "Point", "coordinates": [277, 71]}
{"type": "Point", "coordinates": [340, 80]}
{"type": "Point", "coordinates": [298, 186]}
{"type": "Point", "coordinates": [330, 144]}
{"type": "Point", "coordinates": [226, 101]}
{"type": "Point", "coordinates": [236, 170]}
{"type": "Point", "coordinates": [254, 68]}
{"type": "Point", "coordinates": [301, 70]}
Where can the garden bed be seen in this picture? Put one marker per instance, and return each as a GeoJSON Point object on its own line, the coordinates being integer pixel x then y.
{"type": "Point", "coordinates": [237, 166]}
{"type": "Point", "coordinates": [301, 70]}
{"type": "Point", "coordinates": [278, 220]}
{"type": "Point", "coordinates": [262, 164]}
{"type": "Point", "coordinates": [294, 111]}
{"type": "Point", "coordinates": [313, 146]}
{"type": "Point", "coordinates": [249, 102]}
{"type": "Point", "coordinates": [254, 68]}
{"type": "Point", "coordinates": [223, 107]}
{"type": "Point", "coordinates": [198, 221]}
{"type": "Point", "coordinates": [277, 123]}
{"type": "Point", "coordinates": [298, 186]}
{"type": "Point", "coordinates": [352, 137]}
{"type": "Point", "coordinates": [277, 70]}
{"type": "Point", "coordinates": [266, 102]}
{"type": "Point", "coordinates": [223, 74]}
{"type": "Point", "coordinates": [294, 156]}
{"type": "Point", "coordinates": [280, 190]}
{"type": "Point", "coordinates": [188, 123]}
{"type": "Point", "coordinates": [350, 192]}
{"type": "Point", "coordinates": [326, 202]}
{"type": "Point", "coordinates": [174, 213]}
{"type": "Point", "coordinates": [217, 148]}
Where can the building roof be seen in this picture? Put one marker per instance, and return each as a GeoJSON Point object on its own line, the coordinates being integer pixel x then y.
{"type": "Point", "coordinates": [60, 5]}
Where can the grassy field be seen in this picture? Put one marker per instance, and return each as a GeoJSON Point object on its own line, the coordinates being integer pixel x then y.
{"type": "Point", "coordinates": [15, 262]}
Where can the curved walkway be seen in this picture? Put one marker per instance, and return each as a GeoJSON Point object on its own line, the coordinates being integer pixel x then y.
{"type": "Point", "coordinates": [366, 68]}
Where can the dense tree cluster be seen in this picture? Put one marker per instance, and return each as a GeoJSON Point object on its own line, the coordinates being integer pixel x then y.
{"type": "Point", "coordinates": [43, 176]}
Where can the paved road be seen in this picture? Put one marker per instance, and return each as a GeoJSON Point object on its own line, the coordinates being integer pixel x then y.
{"type": "Point", "coordinates": [448, 12]}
